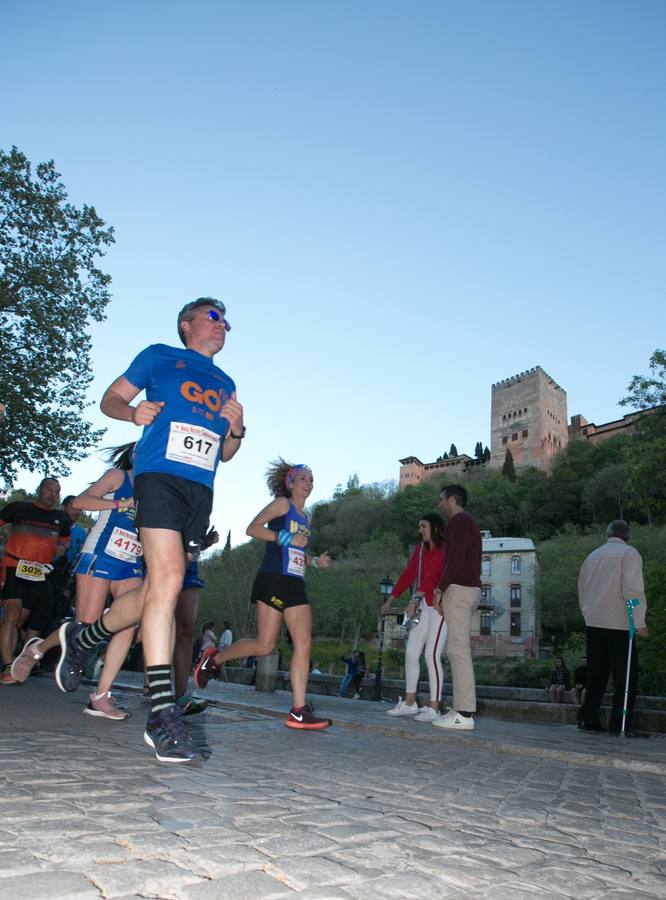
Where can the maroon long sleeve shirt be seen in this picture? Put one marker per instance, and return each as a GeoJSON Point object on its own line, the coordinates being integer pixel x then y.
{"type": "Point", "coordinates": [462, 559]}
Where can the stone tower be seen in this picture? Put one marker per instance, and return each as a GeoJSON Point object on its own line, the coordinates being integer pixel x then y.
{"type": "Point", "coordinates": [529, 418]}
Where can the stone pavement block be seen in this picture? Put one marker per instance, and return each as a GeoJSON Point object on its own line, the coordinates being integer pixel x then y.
{"type": "Point", "coordinates": [565, 881]}
{"type": "Point", "coordinates": [142, 844]}
{"type": "Point", "coordinates": [506, 855]}
{"type": "Point", "coordinates": [545, 843]}
{"type": "Point", "coordinates": [299, 843]}
{"type": "Point", "coordinates": [318, 818]}
{"type": "Point", "coordinates": [211, 837]}
{"type": "Point", "coordinates": [302, 874]}
{"type": "Point", "coordinates": [217, 862]}
{"type": "Point", "coordinates": [358, 834]}
{"type": "Point", "coordinates": [632, 894]}
{"type": "Point", "coordinates": [18, 862]}
{"type": "Point", "coordinates": [409, 885]}
{"type": "Point", "coordinates": [457, 873]}
{"type": "Point", "coordinates": [151, 878]}
{"type": "Point", "coordinates": [46, 886]}
{"type": "Point", "coordinates": [100, 849]}
{"type": "Point", "coordinates": [255, 885]}
{"type": "Point", "coordinates": [514, 890]}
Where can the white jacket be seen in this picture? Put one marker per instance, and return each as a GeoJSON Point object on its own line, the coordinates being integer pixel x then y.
{"type": "Point", "coordinates": [611, 575]}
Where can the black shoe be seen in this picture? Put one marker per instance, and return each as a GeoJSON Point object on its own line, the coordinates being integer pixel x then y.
{"type": "Point", "coordinates": [630, 733]}
{"type": "Point", "coordinates": [590, 726]}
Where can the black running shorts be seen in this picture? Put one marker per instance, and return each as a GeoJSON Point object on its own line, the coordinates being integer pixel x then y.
{"type": "Point", "coordinates": [36, 596]}
{"type": "Point", "coordinates": [279, 591]}
{"type": "Point", "coordinates": [167, 501]}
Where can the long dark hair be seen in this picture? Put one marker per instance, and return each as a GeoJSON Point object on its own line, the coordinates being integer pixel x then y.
{"type": "Point", "coordinates": [121, 457]}
{"type": "Point", "coordinates": [437, 528]}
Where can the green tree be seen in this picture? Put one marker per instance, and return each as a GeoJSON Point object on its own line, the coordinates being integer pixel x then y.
{"type": "Point", "coordinates": [508, 469]}
{"type": "Point", "coordinates": [453, 450]}
{"type": "Point", "coordinates": [646, 464]}
{"type": "Point", "coordinates": [50, 291]}
{"type": "Point", "coordinates": [648, 391]}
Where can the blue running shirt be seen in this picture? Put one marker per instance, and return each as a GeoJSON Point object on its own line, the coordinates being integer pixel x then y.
{"type": "Point", "coordinates": [287, 560]}
{"type": "Point", "coordinates": [186, 437]}
{"type": "Point", "coordinates": [114, 533]}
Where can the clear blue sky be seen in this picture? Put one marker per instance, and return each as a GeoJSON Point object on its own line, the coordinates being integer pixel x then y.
{"type": "Point", "coordinates": [400, 204]}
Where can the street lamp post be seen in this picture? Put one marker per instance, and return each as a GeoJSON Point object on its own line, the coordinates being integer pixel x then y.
{"type": "Point", "coordinates": [385, 587]}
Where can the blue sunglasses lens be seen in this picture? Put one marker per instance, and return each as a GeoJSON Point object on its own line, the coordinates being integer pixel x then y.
{"type": "Point", "coordinates": [214, 316]}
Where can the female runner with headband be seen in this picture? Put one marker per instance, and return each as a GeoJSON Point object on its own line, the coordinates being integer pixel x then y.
{"type": "Point", "coordinates": [279, 588]}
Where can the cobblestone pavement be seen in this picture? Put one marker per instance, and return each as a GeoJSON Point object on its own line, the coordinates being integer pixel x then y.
{"type": "Point", "coordinates": [358, 811]}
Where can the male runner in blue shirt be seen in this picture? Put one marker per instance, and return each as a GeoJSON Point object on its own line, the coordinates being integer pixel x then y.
{"type": "Point", "coordinates": [191, 420]}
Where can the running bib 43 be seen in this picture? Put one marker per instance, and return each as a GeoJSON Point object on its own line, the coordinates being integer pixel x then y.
{"type": "Point", "coordinates": [193, 445]}
{"type": "Point", "coordinates": [123, 545]}
{"type": "Point", "coordinates": [32, 571]}
{"type": "Point", "coordinates": [296, 564]}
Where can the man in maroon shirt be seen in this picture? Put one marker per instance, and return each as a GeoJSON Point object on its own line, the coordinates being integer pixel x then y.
{"type": "Point", "coordinates": [457, 597]}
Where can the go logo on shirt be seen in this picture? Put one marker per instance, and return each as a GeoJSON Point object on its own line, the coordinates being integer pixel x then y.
{"type": "Point", "coordinates": [193, 393]}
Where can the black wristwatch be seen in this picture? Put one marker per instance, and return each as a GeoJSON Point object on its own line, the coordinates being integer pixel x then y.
{"type": "Point", "coordinates": [238, 437]}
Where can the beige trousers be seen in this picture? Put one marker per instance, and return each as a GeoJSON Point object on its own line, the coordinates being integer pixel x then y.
{"type": "Point", "coordinates": [458, 604]}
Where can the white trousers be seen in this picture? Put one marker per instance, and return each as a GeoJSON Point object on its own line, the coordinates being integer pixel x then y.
{"type": "Point", "coordinates": [429, 635]}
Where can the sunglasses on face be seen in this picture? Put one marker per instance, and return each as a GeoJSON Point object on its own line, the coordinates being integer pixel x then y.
{"type": "Point", "coordinates": [214, 316]}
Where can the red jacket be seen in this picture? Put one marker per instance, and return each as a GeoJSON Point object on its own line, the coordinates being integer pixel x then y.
{"type": "Point", "coordinates": [431, 571]}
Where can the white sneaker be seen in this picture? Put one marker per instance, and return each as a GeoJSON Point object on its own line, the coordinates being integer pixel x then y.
{"type": "Point", "coordinates": [356, 697]}
{"type": "Point", "coordinates": [403, 709]}
{"type": "Point", "coordinates": [455, 721]}
{"type": "Point", "coordinates": [426, 714]}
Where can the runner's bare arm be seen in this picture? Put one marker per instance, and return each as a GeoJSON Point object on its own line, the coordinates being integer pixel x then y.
{"type": "Point", "coordinates": [257, 529]}
{"type": "Point", "coordinates": [117, 399]}
{"type": "Point", "coordinates": [93, 500]}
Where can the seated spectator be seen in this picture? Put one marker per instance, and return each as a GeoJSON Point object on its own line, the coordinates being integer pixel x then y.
{"type": "Point", "coordinates": [580, 678]}
{"type": "Point", "coordinates": [560, 682]}
{"type": "Point", "coordinates": [314, 669]}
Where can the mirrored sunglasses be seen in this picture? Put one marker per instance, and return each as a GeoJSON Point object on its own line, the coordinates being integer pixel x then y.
{"type": "Point", "coordinates": [215, 316]}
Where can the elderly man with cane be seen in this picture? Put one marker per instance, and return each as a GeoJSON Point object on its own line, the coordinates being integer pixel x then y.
{"type": "Point", "coordinates": [611, 594]}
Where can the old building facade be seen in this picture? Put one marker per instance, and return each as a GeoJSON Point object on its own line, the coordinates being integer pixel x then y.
{"type": "Point", "coordinates": [505, 625]}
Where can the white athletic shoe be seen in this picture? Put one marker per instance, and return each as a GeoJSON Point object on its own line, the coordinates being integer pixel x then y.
{"type": "Point", "coordinates": [426, 714]}
{"type": "Point", "coordinates": [403, 709]}
{"type": "Point", "coordinates": [455, 722]}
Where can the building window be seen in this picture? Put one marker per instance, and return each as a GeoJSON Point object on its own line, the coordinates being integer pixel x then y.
{"type": "Point", "coordinates": [515, 624]}
{"type": "Point", "coordinates": [514, 436]}
{"type": "Point", "coordinates": [524, 432]}
{"type": "Point", "coordinates": [515, 565]}
{"type": "Point", "coordinates": [485, 565]}
{"type": "Point", "coordinates": [486, 593]}
{"type": "Point", "coordinates": [515, 595]}
{"type": "Point", "coordinates": [505, 440]}
{"type": "Point", "coordinates": [484, 626]}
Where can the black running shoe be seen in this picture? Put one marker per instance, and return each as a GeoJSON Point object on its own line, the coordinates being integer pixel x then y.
{"type": "Point", "coordinates": [167, 735]}
{"type": "Point", "coordinates": [72, 657]}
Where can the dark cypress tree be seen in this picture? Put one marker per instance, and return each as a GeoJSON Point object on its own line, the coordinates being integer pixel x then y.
{"type": "Point", "coordinates": [508, 469]}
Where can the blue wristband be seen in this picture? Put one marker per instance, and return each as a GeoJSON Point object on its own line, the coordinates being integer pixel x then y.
{"type": "Point", "coordinates": [284, 538]}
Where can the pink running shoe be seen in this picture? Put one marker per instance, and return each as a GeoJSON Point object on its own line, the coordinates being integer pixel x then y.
{"type": "Point", "coordinates": [26, 661]}
{"type": "Point", "coordinates": [206, 668]}
{"type": "Point", "coordinates": [104, 706]}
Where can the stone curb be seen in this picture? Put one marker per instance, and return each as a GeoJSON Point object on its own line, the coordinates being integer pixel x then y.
{"type": "Point", "coordinates": [471, 739]}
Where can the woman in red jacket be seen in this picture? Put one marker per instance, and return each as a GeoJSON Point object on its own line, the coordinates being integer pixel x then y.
{"type": "Point", "coordinates": [425, 568]}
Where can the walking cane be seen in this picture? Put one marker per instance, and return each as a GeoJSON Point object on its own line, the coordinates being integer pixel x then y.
{"type": "Point", "coordinates": [632, 631]}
